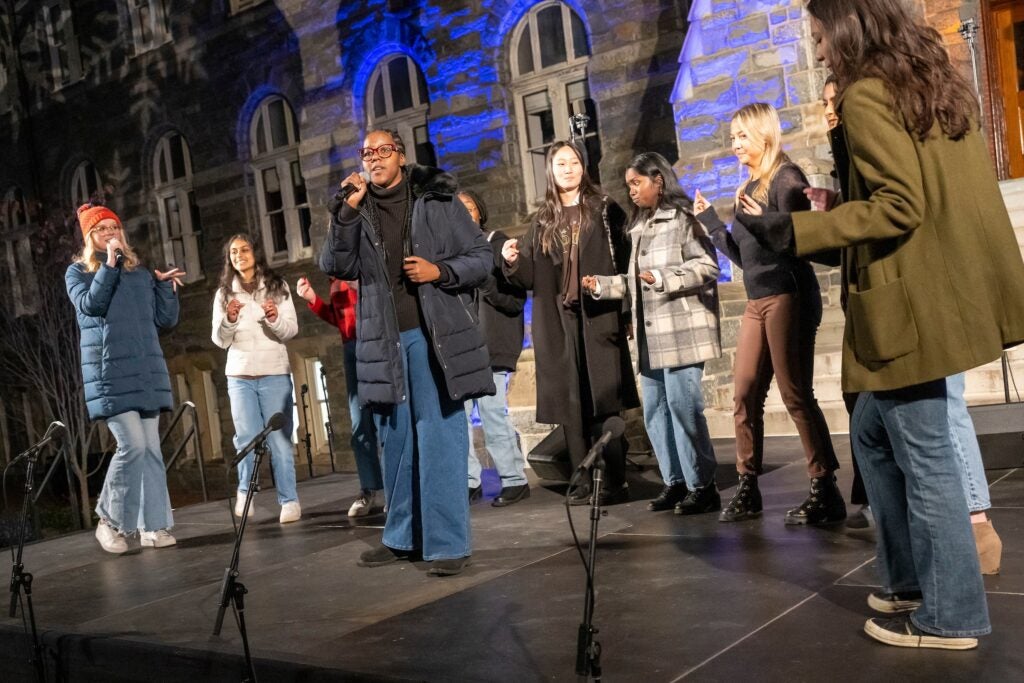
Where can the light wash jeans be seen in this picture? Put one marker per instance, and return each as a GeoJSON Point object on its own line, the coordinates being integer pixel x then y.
{"type": "Point", "coordinates": [965, 444]}
{"type": "Point", "coordinates": [674, 415]}
{"type": "Point", "coordinates": [914, 481]}
{"type": "Point", "coordinates": [253, 402]}
{"type": "Point", "coordinates": [423, 445]}
{"type": "Point", "coordinates": [134, 494]}
{"type": "Point", "coordinates": [364, 434]}
{"type": "Point", "coordinates": [499, 436]}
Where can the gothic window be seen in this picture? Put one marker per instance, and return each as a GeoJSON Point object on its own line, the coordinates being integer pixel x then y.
{"type": "Point", "coordinates": [85, 181]}
{"type": "Point", "coordinates": [180, 226]}
{"type": "Point", "coordinates": [61, 45]}
{"type": "Point", "coordinates": [280, 187]}
{"type": "Point", "coordinates": [549, 57]}
{"type": "Point", "coordinates": [19, 285]}
{"type": "Point", "coordinates": [397, 99]}
{"type": "Point", "coordinates": [148, 20]}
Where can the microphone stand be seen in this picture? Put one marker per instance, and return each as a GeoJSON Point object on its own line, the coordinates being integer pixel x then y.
{"type": "Point", "coordinates": [327, 423]}
{"type": "Point", "coordinates": [232, 591]}
{"type": "Point", "coordinates": [588, 650]}
{"type": "Point", "coordinates": [22, 580]}
{"type": "Point", "coordinates": [307, 439]}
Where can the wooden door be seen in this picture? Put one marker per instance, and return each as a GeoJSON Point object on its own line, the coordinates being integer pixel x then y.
{"type": "Point", "coordinates": [1007, 22]}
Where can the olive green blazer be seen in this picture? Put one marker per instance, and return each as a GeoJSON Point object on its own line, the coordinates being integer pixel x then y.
{"type": "Point", "coordinates": [932, 273]}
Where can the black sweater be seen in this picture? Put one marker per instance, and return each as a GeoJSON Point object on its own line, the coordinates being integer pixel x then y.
{"type": "Point", "coordinates": [766, 273]}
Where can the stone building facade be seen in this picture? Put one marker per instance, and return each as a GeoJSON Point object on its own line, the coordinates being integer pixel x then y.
{"type": "Point", "coordinates": [210, 117]}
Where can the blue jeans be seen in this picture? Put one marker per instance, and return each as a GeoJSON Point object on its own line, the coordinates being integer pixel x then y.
{"type": "Point", "coordinates": [364, 434]}
{"type": "Point", "coordinates": [253, 402]}
{"type": "Point", "coordinates": [499, 436]}
{"type": "Point", "coordinates": [913, 478]}
{"type": "Point", "coordinates": [674, 415]}
{"type": "Point", "coordinates": [965, 444]}
{"type": "Point", "coordinates": [134, 494]}
{"type": "Point", "coordinates": [423, 446]}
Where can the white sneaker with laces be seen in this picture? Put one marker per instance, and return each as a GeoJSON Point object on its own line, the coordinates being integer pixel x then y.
{"type": "Point", "coordinates": [161, 538]}
{"type": "Point", "coordinates": [290, 512]}
{"type": "Point", "coordinates": [364, 504]}
{"type": "Point", "coordinates": [240, 506]}
{"type": "Point", "coordinates": [110, 540]}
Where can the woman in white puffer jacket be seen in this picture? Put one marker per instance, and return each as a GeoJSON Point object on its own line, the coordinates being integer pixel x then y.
{"type": "Point", "coordinates": [253, 317]}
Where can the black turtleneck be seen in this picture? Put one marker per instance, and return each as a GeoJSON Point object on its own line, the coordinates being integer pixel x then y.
{"type": "Point", "coordinates": [393, 210]}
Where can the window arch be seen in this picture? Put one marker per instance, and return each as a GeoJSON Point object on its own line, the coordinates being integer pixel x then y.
{"type": "Point", "coordinates": [180, 225]}
{"type": "Point", "coordinates": [397, 98]}
{"type": "Point", "coordinates": [549, 56]}
{"type": "Point", "coordinates": [20, 291]}
{"type": "Point", "coordinates": [280, 186]}
{"type": "Point", "coordinates": [85, 182]}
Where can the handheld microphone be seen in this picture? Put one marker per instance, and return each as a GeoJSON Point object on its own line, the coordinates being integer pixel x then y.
{"type": "Point", "coordinates": [275, 422]}
{"type": "Point", "coordinates": [348, 188]}
{"type": "Point", "coordinates": [305, 388]}
{"type": "Point", "coordinates": [612, 428]}
{"type": "Point", "coordinates": [119, 255]}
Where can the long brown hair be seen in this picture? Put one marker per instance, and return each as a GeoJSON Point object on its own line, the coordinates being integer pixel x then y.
{"type": "Point", "coordinates": [551, 218]}
{"type": "Point", "coordinates": [760, 121]}
{"type": "Point", "coordinates": [276, 287]}
{"type": "Point", "coordinates": [881, 39]}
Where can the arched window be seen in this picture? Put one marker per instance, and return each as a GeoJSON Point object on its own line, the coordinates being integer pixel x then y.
{"type": "Point", "coordinates": [397, 99]}
{"type": "Point", "coordinates": [180, 226]}
{"type": "Point", "coordinates": [549, 53]}
{"type": "Point", "coordinates": [19, 282]}
{"type": "Point", "coordinates": [280, 186]}
{"type": "Point", "coordinates": [85, 181]}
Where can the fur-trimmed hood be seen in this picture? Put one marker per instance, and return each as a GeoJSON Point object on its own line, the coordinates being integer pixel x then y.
{"type": "Point", "coordinates": [430, 180]}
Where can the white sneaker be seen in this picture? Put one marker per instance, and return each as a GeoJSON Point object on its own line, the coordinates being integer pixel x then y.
{"type": "Point", "coordinates": [240, 506]}
{"type": "Point", "coordinates": [160, 538]}
{"type": "Point", "coordinates": [110, 540]}
{"type": "Point", "coordinates": [364, 504]}
{"type": "Point", "coordinates": [290, 512]}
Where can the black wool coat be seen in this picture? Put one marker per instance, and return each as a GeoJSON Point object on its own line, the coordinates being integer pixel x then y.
{"type": "Point", "coordinates": [501, 312]}
{"type": "Point", "coordinates": [604, 250]}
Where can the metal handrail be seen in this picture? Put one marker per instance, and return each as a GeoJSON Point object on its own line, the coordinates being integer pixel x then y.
{"type": "Point", "coordinates": [191, 435]}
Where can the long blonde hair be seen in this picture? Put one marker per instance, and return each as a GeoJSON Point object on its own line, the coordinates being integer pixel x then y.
{"type": "Point", "coordinates": [87, 257]}
{"type": "Point", "coordinates": [760, 121]}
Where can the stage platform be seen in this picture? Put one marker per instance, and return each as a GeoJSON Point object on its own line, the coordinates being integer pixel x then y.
{"type": "Point", "coordinates": [678, 598]}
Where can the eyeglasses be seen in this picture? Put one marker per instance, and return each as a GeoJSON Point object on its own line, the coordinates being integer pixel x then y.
{"type": "Point", "coordinates": [107, 228]}
{"type": "Point", "coordinates": [384, 151]}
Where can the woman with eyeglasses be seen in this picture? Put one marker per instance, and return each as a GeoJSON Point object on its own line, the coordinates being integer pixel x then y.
{"type": "Point", "coordinates": [420, 354]}
{"type": "Point", "coordinates": [121, 307]}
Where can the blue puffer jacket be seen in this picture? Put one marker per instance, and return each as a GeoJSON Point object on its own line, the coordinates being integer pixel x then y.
{"type": "Point", "coordinates": [118, 314]}
{"type": "Point", "coordinates": [443, 233]}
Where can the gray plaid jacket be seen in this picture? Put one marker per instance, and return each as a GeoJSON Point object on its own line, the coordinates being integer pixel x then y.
{"type": "Point", "coordinates": [678, 315]}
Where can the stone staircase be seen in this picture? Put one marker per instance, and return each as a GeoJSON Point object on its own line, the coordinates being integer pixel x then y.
{"type": "Point", "coordinates": [984, 384]}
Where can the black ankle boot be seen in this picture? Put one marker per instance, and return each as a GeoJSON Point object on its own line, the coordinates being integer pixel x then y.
{"type": "Point", "coordinates": [700, 500]}
{"type": "Point", "coordinates": [671, 495]}
{"type": "Point", "coordinates": [745, 503]}
{"type": "Point", "coordinates": [824, 504]}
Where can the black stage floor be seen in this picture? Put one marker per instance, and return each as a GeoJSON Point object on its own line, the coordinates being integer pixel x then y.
{"type": "Point", "coordinates": [678, 598]}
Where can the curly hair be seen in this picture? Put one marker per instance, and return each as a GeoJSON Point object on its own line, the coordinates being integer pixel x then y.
{"type": "Point", "coordinates": [881, 39]}
{"type": "Point", "coordinates": [275, 284]}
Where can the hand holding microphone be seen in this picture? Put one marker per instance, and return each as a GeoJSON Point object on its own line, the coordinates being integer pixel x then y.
{"type": "Point", "coordinates": [115, 253]}
{"type": "Point", "coordinates": [352, 190]}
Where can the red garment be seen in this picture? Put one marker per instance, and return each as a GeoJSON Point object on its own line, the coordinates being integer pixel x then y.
{"type": "Point", "coordinates": [342, 311]}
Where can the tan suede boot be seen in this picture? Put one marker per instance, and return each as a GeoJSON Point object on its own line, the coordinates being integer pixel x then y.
{"type": "Point", "coordinates": [990, 548]}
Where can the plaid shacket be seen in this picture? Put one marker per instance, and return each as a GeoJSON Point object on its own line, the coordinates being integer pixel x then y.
{"type": "Point", "coordinates": [679, 317]}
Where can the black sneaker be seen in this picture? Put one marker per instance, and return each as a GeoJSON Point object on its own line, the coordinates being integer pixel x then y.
{"type": "Point", "coordinates": [894, 603]}
{"type": "Point", "coordinates": [510, 495]}
{"type": "Point", "coordinates": [476, 493]}
{"type": "Point", "coordinates": [580, 496]}
{"type": "Point", "coordinates": [448, 567]}
{"type": "Point", "coordinates": [745, 503]}
{"type": "Point", "coordinates": [901, 632]}
{"type": "Point", "coordinates": [823, 505]}
{"type": "Point", "coordinates": [670, 495]}
{"type": "Point", "coordinates": [700, 500]}
{"type": "Point", "coordinates": [382, 555]}
{"type": "Point", "coordinates": [614, 495]}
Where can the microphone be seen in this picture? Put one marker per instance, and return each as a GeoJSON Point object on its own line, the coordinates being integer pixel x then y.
{"type": "Point", "coordinates": [305, 388]}
{"type": "Point", "coordinates": [348, 188]}
{"type": "Point", "coordinates": [119, 255]}
{"type": "Point", "coordinates": [275, 422]}
{"type": "Point", "coordinates": [55, 433]}
{"type": "Point", "coordinates": [612, 428]}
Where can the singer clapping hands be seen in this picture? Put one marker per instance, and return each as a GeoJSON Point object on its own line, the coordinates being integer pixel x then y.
{"type": "Point", "coordinates": [120, 307]}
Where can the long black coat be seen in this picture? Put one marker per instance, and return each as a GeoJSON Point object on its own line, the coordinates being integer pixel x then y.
{"type": "Point", "coordinates": [612, 385]}
{"type": "Point", "coordinates": [443, 233]}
